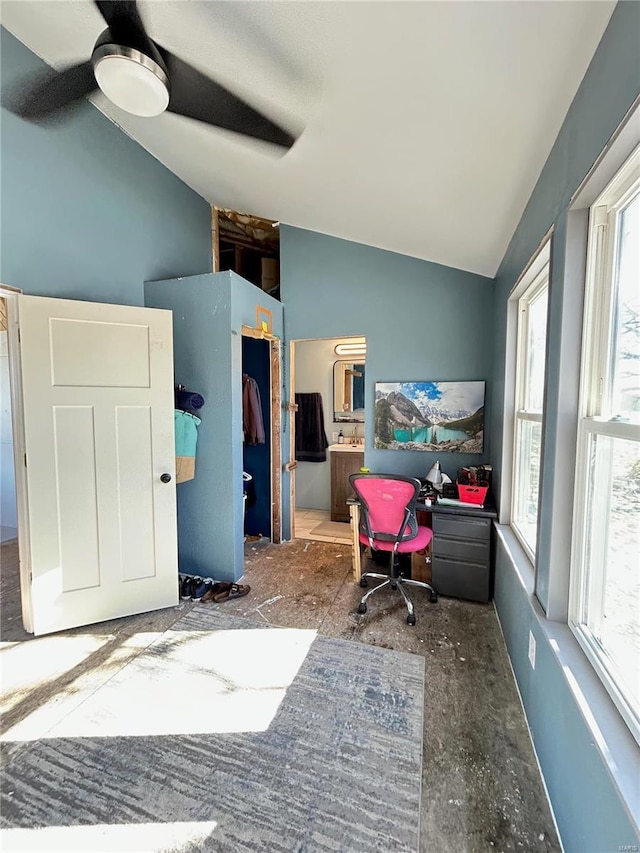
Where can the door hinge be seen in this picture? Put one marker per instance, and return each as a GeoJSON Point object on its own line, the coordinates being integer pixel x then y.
{"type": "Point", "coordinates": [19, 338]}
{"type": "Point", "coordinates": [25, 460]}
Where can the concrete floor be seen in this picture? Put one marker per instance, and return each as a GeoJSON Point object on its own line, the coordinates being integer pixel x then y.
{"type": "Point", "coordinates": [482, 789]}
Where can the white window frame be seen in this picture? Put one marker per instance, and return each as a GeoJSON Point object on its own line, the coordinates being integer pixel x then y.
{"type": "Point", "coordinates": [533, 282]}
{"type": "Point", "coordinates": [596, 419]}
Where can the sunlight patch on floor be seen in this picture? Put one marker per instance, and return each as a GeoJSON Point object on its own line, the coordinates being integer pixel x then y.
{"type": "Point", "coordinates": [26, 665]}
{"type": "Point", "coordinates": [105, 838]}
{"type": "Point", "coordinates": [188, 682]}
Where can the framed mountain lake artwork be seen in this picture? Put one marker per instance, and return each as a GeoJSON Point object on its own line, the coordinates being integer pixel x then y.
{"type": "Point", "coordinates": [447, 417]}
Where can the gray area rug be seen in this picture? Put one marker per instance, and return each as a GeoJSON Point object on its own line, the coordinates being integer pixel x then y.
{"type": "Point", "coordinates": [226, 735]}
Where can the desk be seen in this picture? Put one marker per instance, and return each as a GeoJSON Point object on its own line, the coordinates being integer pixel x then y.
{"type": "Point", "coordinates": [462, 560]}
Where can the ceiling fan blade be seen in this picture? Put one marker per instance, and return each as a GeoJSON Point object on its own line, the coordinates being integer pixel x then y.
{"type": "Point", "coordinates": [120, 13]}
{"type": "Point", "coordinates": [52, 92]}
{"type": "Point", "coordinates": [197, 96]}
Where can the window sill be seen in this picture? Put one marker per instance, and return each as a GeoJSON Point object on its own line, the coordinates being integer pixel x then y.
{"type": "Point", "coordinates": [518, 556]}
{"type": "Point", "coordinates": [610, 735]}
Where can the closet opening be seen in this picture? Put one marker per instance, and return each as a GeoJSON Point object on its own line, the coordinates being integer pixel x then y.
{"type": "Point", "coordinates": [261, 453]}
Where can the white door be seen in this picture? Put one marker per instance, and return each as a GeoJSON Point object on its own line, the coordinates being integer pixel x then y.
{"type": "Point", "coordinates": [100, 526]}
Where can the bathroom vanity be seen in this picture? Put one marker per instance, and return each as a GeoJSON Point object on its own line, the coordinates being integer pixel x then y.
{"type": "Point", "coordinates": [345, 459]}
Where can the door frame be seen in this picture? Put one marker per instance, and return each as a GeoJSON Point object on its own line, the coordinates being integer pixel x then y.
{"type": "Point", "coordinates": [291, 466]}
{"type": "Point", "coordinates": [10, 295]}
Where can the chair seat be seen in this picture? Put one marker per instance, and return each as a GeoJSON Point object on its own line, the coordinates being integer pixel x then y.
{"type": "Point", "coordinates": [420, 541]}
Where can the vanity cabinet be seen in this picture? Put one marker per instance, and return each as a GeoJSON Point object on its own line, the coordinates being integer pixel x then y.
{"type": "Point", "coordinates": [462, 553]}
{"type": "Point", "coordinates": [343, 463]}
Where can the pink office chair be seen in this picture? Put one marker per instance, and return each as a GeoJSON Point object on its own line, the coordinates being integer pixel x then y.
{"type": "Point", "coordinates": [388, 523]}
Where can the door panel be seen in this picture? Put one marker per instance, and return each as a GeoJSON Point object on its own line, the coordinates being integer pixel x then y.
{"type": "Point", "coordinates": [98, 421]}
{"type": "Point", "coordinates": [77, 512]}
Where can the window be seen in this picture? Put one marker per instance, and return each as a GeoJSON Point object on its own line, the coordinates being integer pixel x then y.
{"type": "Point", "coordinates": [529, 396]}
{"type": "Point", "coordinates": [605, 574]}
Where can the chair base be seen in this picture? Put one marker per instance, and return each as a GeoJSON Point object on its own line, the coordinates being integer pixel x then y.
{"type": "Point", "coordinates": [396, 581]}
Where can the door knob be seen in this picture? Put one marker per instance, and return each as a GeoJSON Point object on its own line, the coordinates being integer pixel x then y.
{"type": "Point", "coordinates": [165, 478]}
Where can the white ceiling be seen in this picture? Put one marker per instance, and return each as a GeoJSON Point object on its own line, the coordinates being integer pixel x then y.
{"type": "Point", "coordinates": [426, 124]}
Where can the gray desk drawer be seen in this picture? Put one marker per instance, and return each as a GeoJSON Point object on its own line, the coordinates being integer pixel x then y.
{"type": "Point", "coordinates": [470, 550]}
{"type": "Point", "coordinates": [463, 527]}
{"type": "Point", "coordinates": [460, 579]}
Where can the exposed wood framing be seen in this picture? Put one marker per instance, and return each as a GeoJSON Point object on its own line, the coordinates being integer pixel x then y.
{"type": "Point", "coordinates": [215, 240]}
{"type": "Point", "coordinates": [356, 553]}
{"type": "Point", "coordinates": [276, 443]}
{"type": "Point", "coordinates": [252, 332]}
{"type": "Point", "coordinates": [238, 259]}
{"type": "Point", "coordinates": [292, 463]}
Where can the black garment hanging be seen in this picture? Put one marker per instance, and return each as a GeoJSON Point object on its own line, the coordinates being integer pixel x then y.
{"type": "Point", "coordinates": [311, 439]}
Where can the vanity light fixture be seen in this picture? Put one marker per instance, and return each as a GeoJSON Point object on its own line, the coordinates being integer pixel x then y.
{"type": "Point", "coordinates": [351, 349]}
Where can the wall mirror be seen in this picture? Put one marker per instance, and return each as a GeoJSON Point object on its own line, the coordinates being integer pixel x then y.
{"type": "Point", "coordinates": [348, 391]}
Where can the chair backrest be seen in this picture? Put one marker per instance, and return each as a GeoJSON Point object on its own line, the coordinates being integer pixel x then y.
{"type": "Point", "coordinates": [384, 501]}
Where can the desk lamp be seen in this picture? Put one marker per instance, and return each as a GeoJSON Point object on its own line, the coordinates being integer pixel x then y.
{"type": "Point", "coordinates": [435, 476]}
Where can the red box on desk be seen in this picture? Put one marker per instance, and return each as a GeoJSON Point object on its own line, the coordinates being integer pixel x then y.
{"type": "Point", "coordinates": [472, 494]}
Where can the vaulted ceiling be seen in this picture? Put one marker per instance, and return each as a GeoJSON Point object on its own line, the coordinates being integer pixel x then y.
{"type": "Point", "coordinates": [424, 125]}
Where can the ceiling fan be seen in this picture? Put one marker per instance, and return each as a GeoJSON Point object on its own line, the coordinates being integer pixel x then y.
{"type": "Point", "coordinates": [143, 78]}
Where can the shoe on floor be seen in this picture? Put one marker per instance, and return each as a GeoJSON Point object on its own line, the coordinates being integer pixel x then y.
{"type": "Point", "coordinates": [235, 590]}
{"type": "Point", "coordinates": [188, 585]}
{"type": "Point", "coordinates": [214, 590]}
{"type": "Point", "coordinates": [200, 587]}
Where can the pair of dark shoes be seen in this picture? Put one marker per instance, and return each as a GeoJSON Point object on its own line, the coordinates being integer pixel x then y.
{"type": "Point", "coordinates": [204, 589]}
{"type": "Point", "coordinates": [224, 591]}
{"type": "Point", "coordinates": [194, 587]}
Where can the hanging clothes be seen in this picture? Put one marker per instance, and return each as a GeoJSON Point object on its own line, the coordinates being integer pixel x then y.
{"type": "Point", "coordinates": [187, 401]}
{"type": "Point", "coordinates": [186, 433]}
{"type": "Point", "coordinates": [311, 439]}
{"type": "Point", "coordinates": [252, 422]}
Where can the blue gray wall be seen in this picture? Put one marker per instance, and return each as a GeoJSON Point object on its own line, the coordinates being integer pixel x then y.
{"type": "Point", "coordinates": [586, 803]}
{"type": "Point", "coordinates": [208, 314]}
{"type": "Point", "coordinates": [86, 212]}
{"type": "Point", "coordinates": [421, 321]}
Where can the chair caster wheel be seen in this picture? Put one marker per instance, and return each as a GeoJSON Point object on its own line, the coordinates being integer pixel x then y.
{"type": "Point", "coordinates": [394, 586]}
{"type": "Point", "coordinates": [433, 597]}
{"type": "Point", "coordinates": [362, 608]}
{"type": "Point", "coordinates": [363, 582]}
{"type": "Point", "coordinates": [411, 620]}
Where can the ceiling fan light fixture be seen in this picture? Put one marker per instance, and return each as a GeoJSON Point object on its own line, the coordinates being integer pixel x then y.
{"type": "Point", "coordinates": [131, 80]}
